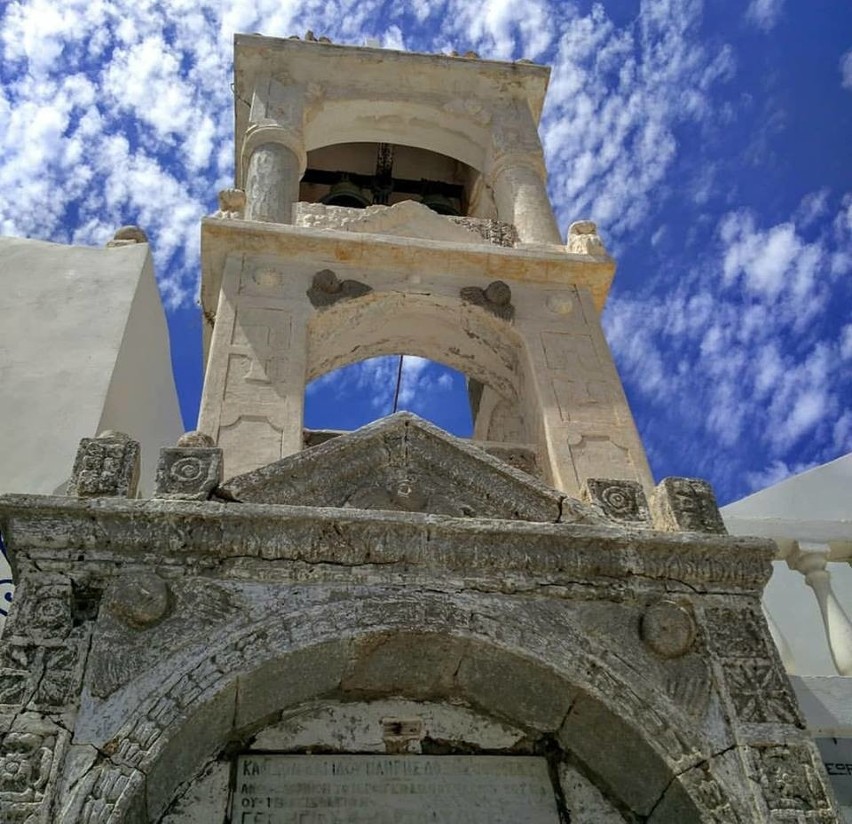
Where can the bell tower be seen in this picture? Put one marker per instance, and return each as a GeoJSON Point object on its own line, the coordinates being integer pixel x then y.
{"type": "Point", "coordinates": [396, 624]}
{"type": "Point", "coordinates": [395, 203]}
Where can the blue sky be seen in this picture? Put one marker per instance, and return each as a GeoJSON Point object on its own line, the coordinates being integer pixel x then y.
{"type": "Point", "coordinates": [711, 142]}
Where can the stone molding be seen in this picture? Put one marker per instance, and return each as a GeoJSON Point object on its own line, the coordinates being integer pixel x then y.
{"type": "Point", "coordinates": [486, 551]}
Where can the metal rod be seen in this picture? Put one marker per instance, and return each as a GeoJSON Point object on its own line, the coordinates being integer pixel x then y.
{"type": "Point", "coordinates": [398, 384]}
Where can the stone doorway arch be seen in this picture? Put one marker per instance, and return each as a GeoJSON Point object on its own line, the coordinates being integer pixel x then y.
{"type": "Point", "coordinates": [524, 665]}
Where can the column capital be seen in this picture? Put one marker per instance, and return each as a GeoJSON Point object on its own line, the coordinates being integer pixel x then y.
{"type": "Point", "coordinates": [808, 557]}
{"type": "Point", "coordinates": [261, 134]}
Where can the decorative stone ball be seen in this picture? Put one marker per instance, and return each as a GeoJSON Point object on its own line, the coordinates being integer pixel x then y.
{"type": "Point", "coordinates": [139, 599]}
{"type": "Point", "coordinates": [132, 233]}
{"type": "Point", "coordinates": [195, 439]}
{"type": "Point", "coordinates": [326, 281]}
{"type": "Point", "coordinates": [498, 293]}
{"type": "Point", "coordinates": [668, 629]}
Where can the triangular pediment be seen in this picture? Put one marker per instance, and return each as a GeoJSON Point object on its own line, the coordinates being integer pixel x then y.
{"type": "Point", "coordinates": [403, 463]}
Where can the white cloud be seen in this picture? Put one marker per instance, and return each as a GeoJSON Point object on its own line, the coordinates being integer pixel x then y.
{"type": "Point", "coordinates": [764, 14]}
{"type": "Point", "coordinates": [733, 351]}
{"type": "Point", "coordinates": [776, 472]}
{"type": "Point", "coordinates": [615, 97]}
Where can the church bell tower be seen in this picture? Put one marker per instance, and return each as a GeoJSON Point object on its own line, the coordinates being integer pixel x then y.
{"type": "Point", "coordinates": [394, 624]}
{"type": "Point", "coordinates": [395, 203]}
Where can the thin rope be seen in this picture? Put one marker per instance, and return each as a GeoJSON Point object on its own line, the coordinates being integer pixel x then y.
{"type": "Point", "coordinates": [398, 384]}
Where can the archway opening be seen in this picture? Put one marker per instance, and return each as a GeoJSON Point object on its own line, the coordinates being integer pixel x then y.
{"type": "Point", "coordinates": [354, 395]}
{"type": "Point", "coordinates": [360, 174]}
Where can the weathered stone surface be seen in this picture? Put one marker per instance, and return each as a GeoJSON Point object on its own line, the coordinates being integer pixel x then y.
{"type": "Point", "coordinates": [139, 599]}
{"type": "Point", "coordinates": [668, 629]}
{"type": "Point", "coordinates": [404, 463]}
{"type": "Point", "coordinates": [380, 668]}
{"type": "Point", "coordinates": [585, 802]}
{"type": "Point", "coordinates": [188, 472]}
{"type": "Point", "coordinates": [483, 553]}
{"type": "Point", "coordinates": [520, 457]}
{"type": "Point", "coordinates": [621, 501]}
{"type": "Point", "coordinates": [686, 504]}
{"type": "Point", "coordinates": [793, 783]}
{"type": "Point", "coordinates": [145, 619]}
{"type": "Point", "coordinates": [494, 231]}
{"type": "Point", "coordinates": [185, 755]}
{"type": "Point", "coordinates": [613, 750]}
{"type": "Point", "coordinates": [507, 691]}
{"type": "Point", "coordinates": [28, 755]}
{"type": "Point", "coordinates": [232, 203]}
{"type": "Point", "coordinates": [495, 298]}
{"type": "Point", "coordinates": [327, 289]}
{"type": "Point", "coordinates": [106, 466]}
{"type": "Point", "coordinates": [307, 673]}
{"type": "Point", "coordinates": [756, 682]}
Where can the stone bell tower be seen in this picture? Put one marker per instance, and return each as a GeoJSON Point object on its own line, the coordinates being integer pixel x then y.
{"type": "Point", "coordinates": [396, 203]}
{"type": "Point", "coordinates": [394, 625]}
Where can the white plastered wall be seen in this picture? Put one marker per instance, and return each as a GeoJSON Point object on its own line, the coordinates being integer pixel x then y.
{"type": "Point", "coordinates": [83, 347]}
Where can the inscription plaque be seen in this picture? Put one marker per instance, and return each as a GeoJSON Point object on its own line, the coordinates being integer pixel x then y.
{"type": "Point", "coordinates": [383, 789]}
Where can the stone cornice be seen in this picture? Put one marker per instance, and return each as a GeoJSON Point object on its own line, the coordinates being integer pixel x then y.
{"type": "Point", "coordinates": [554, 266]}
{"type": "Point", "coordinates": [392, 545]}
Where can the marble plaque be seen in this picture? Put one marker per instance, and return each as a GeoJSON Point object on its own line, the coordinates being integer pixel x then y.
{"type": "Point", "coordinates": [392, 789]}
{"type": "Point", "coordinates": [837, 756]}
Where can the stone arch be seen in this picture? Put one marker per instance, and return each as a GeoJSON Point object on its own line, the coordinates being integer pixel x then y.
{"type": "Point", "coordinates": [458, 334]}
{"type": "Point", "coordinates": [420, 646]}
{"type": "Point", "coordinates": [353, 120]}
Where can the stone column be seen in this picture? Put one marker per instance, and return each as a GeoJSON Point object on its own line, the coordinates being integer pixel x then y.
{"type": "Point", "coordinates": [272, 183]}
{"type": "Point", "coordinates": [521, 197]}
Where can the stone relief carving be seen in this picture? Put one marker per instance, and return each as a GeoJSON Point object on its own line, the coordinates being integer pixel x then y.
{"type": "Point", "coordinates": [583, 239]}
{"type": "Point", "coordinates": [26, 760]}
{"type": "Point", "coordinates": [759, 690]}
{"type": "Point", "coordinates": [687, 682]}
{"type": "Point", "coordinates": [106, 466]}
{"type": "Point", "coordinates": [139, 599]}
{"type": "Point", "coordinates": [668, 629]}
{"type": "Point", "coordinates": [494, 231]}
{"type": "Point", "coordinates": [711, 796]}
{"type": "Point", "coordinates": [191, 470]}
{"type": "Point", "coordinates": [403, 463]}
{"type": "Point", "coordinates": [686, 504]}
{"type": "Point", "coordinates": [327, 289]}
{"type": "Point", "coordinates": [495, 298]}
{"type": "Point", "coordinates": [145, 619]}
{"type": "Point", "coordinates": [621, 501]}
{"type": "Point", "coordinates": [791, 784]}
